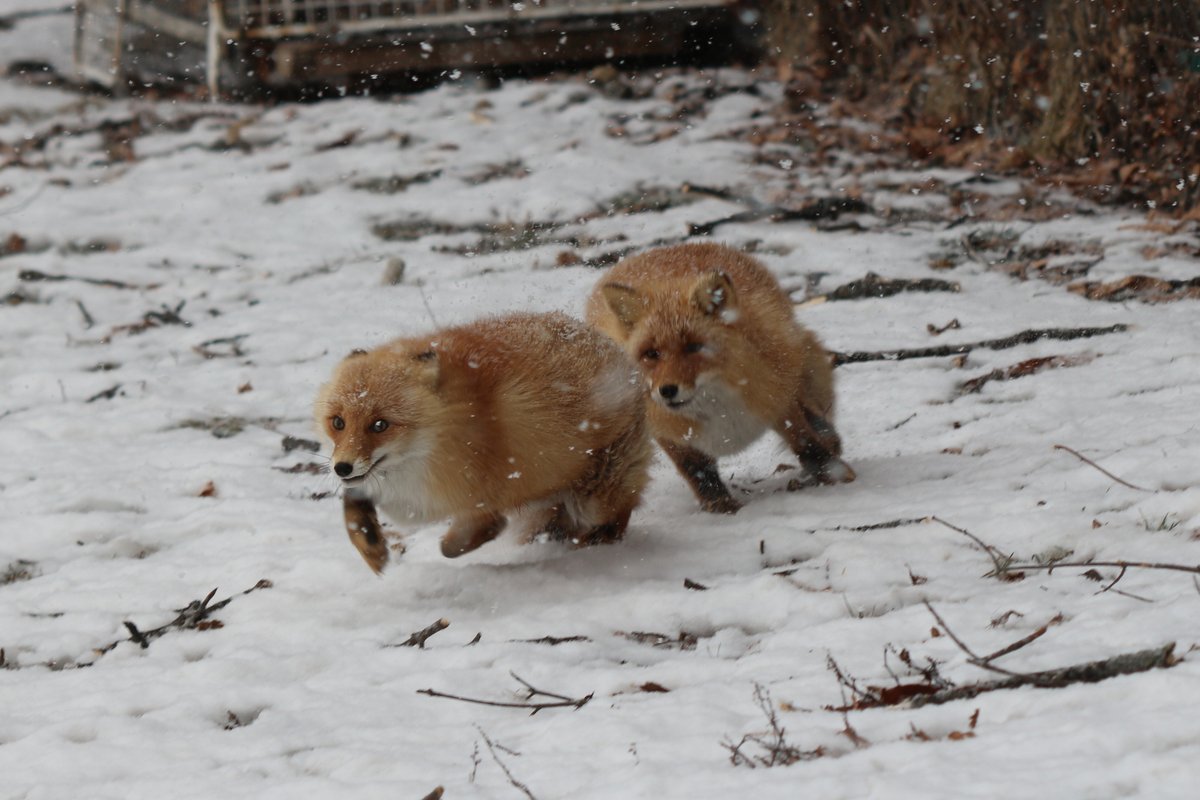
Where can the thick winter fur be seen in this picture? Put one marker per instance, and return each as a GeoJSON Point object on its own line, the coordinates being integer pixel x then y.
{"type": "Point", "coordinates": [724, 359]}
{"type": "Point", "coordinates": [477, 421]}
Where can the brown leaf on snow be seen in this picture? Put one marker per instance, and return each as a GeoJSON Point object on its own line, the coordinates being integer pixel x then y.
{"type": "Point", "coordinates": [651, 686]}
{"type": "Point", "coordinates": [209, 490]}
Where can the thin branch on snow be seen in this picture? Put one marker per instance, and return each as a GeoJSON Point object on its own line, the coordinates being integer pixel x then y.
{"type": "Point", "coordinates": [1122, 565]}
{"type": "Point", "coordinates": [985, 662]}
{"type": "Point", "coordinates": [778, 752]}
{"type": "Point", "coordinates": [1091, 463]}
{"type": "Point", "coordinates": [1024, 337]}
{"type": "Point", "coordinates": [507, 773]}
{"type": "Point", "coordinates": [561, 701]}
{"type": "Point", "coordinates": [194, 616]}
{"type": "Point", "coordinates": [1000, 561]}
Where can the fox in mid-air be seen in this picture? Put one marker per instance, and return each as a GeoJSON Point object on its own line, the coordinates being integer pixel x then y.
{"type": "Point", "coordinates": [535, 412]}
{"type": "Point", "coordinates": [724, 359]}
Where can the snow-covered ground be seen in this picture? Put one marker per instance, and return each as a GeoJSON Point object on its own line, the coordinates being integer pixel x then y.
{"type": "Point", "coordinates": [180, 278]}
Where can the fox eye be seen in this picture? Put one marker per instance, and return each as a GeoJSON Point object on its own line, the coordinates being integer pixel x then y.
{"type": "Point", "coordinates": [693, 347]}
{"type": "Point", "coordinates": [379, 426]}
{"type": "Point", "coordinates": [650, 354]}
{"type": "Point", "coordinates": [338, 423]}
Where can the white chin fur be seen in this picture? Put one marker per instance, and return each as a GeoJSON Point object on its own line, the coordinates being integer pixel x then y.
{"type": "Point", "coordinates": [724, 425]}
{"type": "Point", "coordinates": [398, 487]}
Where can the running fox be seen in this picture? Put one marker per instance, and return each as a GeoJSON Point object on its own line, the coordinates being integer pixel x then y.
{"type": "Point", "coordinates": [476, 421]}
{"type": "Point", "coordinates": [724, 360]}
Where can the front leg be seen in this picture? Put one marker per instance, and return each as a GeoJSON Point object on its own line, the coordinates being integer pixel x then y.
{"type": "Point", "coordinates": [816, 443]}
{"type": "Point", "coordinates": [470, 531]}
{"type": "Point", "coordinates": [700, 471]}
{"type": "Point", "coordinates": [362, 525]}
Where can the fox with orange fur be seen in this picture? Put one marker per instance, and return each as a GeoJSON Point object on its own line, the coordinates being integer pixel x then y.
{"type": "Point", "coordinates": [527, 411]}
{"type": "Point", "coordinates": [724, 359]}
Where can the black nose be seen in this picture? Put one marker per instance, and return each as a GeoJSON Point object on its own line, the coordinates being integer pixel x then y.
{"type": "Point", "coordinates": [668, 391]}
{"type": "Point", "coordinates": [343, 468]}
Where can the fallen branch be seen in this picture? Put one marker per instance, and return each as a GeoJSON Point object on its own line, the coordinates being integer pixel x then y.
{"type": "Point", "coordinates": [561, 701]}
{"type": "Point", "coordinates": [821, 208]}
{"type": "Point", "coordinates": [194, 616]}
{"type": "Point", "coordinates": [1091, 463]}
{"type": "Point", "coordinates": [872, 286]}
{"type": "Point", "coordinates": [419, 638]}
{"type": "Point", "coordinates": [34, 276]}
{"type": "Point", "coordinates": [552, 640]}
{"type": "Point", "coordinates": [1090, 672]}
{"type": "Point", "coordinates": [1023, 369]}
{"type": "Point", "coordinates": [1122, 565]}
{"type": "Point", "coordinates": [1017, 339]}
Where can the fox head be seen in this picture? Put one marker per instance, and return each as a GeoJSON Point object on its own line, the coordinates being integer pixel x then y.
{"type": "Point", "coordinates": [680, 342]}
{"type": "Point", "coordinates": [377, 411]}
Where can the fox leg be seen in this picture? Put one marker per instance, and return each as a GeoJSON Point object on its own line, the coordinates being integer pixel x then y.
{"type": "Point", "coordinates": [816, 443]}
{"type": "Point", "coordinates": [700, 471]}
{"type": "Point", "coordinates": [603, 502]}
{"type": "Point", "coordinates": [470, 531]}
{"type": "Point", "coordinates": [362, 525]}
{"type": "Point", "coordinates": [554, 522]}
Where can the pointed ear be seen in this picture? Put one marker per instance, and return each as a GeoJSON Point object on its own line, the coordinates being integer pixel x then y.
{"type": "Point", "coordinates": [427, 367]}
{"type": "Point", "coordinates": [713, 294]}
{"type": "Point", "coordinates": [625, 302]}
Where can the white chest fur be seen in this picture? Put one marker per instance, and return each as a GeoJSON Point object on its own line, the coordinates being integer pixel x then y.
{"type": "Point", "coordinates": [725, 426]}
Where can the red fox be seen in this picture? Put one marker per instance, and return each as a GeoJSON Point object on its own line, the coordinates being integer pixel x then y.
{"type": "Point", "coordinates": [473, 422]}
{"type": "Point", "coordinates": [724, 359]}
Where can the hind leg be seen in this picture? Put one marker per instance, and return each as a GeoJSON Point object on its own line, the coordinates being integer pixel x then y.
{"type": "Point", "coordinates": [816, 443]}
{"type": "Point", "coordinates": [470, 531]}
{"type": "Point", "coordinates": [604, 502]}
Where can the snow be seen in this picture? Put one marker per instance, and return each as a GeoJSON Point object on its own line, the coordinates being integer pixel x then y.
{"type": "Point", "coordinates": [102, 519]}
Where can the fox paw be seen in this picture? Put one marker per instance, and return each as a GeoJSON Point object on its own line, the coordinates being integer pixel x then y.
{"type": "Point", "coordinates": [721, 505]}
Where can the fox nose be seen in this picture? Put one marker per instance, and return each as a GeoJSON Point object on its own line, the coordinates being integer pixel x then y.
{"type": "Point", "coordinates": [668, 391]}
{"type": "Point", "coordinates": [343, 468]}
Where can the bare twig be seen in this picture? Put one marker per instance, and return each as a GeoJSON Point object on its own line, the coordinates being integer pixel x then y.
{"type": "Point", "coordinates": [972, 656]}
{"type": "Point", "coordinates": [778, 752]}
{"type": "Point", "coordinates": [553, 640]}
{"type": "Point", "coordinates": [1123, 565]}
{"type": "Point", "coordinates": [508, 774]}
{"type": "Point", "coordinates": [562, 701]}
{"type": "Point", "coordinates": [193, 616]}
{"type": "Point", "coordinates": [1091, 463]}
{"type": "Point", "coordinates": [1000, 561]}
{"type": "Point", "coordinates": [535, 692]}
{"type": "Point", "coordinates": [419, 638]}
{"type": "Point", "coordinates": [1024, 337]}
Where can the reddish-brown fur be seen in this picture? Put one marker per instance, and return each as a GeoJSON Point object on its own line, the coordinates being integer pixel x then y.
{"type": "Point", "coordinates": [717, 341]}
{"type": "Point", "coordinates": [485, 419]}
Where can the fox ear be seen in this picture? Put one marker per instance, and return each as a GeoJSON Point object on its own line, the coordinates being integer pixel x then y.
{"type": "Point", "coordinates": [713, 294]}
{"type": "Point", "coordinates": [625, 302]}
{"type": "Point", "coordinates": [427, 367]}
